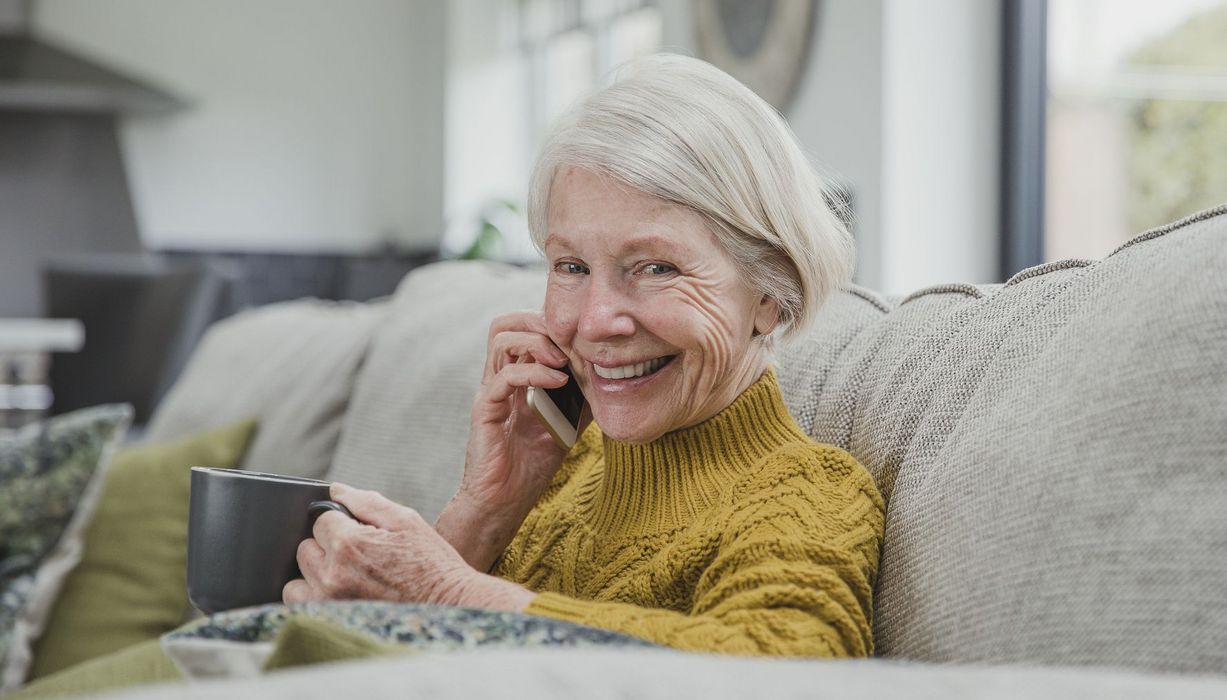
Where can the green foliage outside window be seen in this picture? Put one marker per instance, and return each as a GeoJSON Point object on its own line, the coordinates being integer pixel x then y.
{"type": "Point", "coordinates": [1178, 147]}
{"type": "Point", "coordinates": [490, 242]}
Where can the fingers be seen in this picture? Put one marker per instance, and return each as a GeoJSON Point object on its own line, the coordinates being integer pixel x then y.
{"type": "Point", "coordinates": [310, 557]}
{"type": "Point", "coordinates": [502, 385]}
{"type": "Point", "coordinates": [298, 591]}
{"type": "Point", "coordinates": [332, 526]}
{"type": "Point", "coordinates": [509, 347]}
{"type": "Point", "coordinates": [517, 335]}
{"type": "Point", "coordinates": [530, 321]}
{"type": "Point", "coordinates": [369, 507]}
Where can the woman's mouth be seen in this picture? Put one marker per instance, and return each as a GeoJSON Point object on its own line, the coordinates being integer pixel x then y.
{"type": "Point", "coordinates": [632, 371]}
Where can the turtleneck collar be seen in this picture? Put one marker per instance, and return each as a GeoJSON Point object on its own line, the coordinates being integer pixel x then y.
{"type": "Point", "coordinates": [663, 484]}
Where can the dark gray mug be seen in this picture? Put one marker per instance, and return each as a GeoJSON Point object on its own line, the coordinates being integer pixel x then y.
{"type": "Point", "coordinates": [243, 533]}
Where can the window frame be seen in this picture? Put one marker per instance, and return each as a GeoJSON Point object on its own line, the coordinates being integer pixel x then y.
{"type": "Point", "coordinates": [572, 16]}
{"type": "Point", "coordinates": [1024, 107]}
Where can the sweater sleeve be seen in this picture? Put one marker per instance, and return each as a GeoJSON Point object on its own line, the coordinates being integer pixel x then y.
{"type": "Point", "coordinates": [793, 575]}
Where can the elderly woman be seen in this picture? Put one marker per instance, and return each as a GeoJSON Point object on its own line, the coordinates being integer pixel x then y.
{"type": "Point", "coordinates": [685, 232]}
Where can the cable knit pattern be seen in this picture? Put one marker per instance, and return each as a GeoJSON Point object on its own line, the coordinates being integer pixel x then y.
{"type": "Point", "coordinates": [738, 535]}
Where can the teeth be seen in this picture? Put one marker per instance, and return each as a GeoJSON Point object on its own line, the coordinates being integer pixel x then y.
{"type": "Point", "coordinates": [628, 371]}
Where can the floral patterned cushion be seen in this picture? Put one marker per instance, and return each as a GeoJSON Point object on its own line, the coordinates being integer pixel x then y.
{"type": "Point", "coordinates": [50, 477]}
{"type": "Point", "coordinates": [239, 642]}
{"type": "Point", "coordinates": [428, 627]}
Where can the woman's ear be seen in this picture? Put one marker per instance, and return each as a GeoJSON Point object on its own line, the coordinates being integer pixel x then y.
{"type": "Point", "coordinates": [766, 316]}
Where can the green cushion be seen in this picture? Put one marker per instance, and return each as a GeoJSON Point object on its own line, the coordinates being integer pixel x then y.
{"type": "Point", "coordinates": [131, 583]}
{"type": "Point", "coordinates": [136, 665]}
{"type": "Point", "coordinates": [305, 640]}
{"type": "Point", "coordinates": [301, 641]}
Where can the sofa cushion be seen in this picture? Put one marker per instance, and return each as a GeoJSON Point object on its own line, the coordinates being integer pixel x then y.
{"type": "Point", "coordinates": [821, 375]}
{"type": "Point", "coordinates": [407, 425]}
{"type": "Point", "coordinates": [131, 583]}
{"type": "Point", "coordinates": [291, 365]}
{"type": "Point", "coordinates": [242, 642]}
{"type": "Point", "coordinates": [51, 476]}
{"type": "Point", "coordinates": [143, 663]}
{"type": "Point", "coordinates": [1055, 462]}
{"type": "Point", "coordinates": [651, 674]}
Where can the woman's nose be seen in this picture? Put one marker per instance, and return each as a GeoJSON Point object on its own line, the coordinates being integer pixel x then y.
{"type": "Point", "coordinates": [604, 313]}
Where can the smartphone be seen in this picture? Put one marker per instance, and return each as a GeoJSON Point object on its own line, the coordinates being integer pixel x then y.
{"type": "Point", "coordinates": [559, 409]}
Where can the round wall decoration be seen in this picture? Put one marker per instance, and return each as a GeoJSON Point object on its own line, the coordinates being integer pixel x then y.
{"type": "Point", "coordinates": [763, 43]}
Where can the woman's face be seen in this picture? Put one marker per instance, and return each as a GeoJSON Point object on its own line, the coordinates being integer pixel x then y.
{"type": "Point", "coordinates": [648, 307]}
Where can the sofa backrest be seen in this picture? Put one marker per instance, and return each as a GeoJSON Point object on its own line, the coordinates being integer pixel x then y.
{"type": "Point", "coordinates": [292, 365]}
{"type": "Point", "coordinates": [1054, 456]}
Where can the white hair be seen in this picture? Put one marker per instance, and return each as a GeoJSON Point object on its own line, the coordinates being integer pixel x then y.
{"type": "Point", "coordinates": [682, 130]}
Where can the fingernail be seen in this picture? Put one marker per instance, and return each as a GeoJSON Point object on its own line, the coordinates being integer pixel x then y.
{"type": "Point", "coordinates": [339, 487]}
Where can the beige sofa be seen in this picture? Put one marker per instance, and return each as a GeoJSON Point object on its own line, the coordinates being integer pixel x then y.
{"type": "Point", "coordinates": [1053, 452]}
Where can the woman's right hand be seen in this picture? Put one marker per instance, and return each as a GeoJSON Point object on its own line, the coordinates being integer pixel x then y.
{"type": "Point", "coordinates": [510, 458]}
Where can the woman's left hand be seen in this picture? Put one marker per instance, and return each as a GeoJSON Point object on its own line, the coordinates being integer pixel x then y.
{"type": "Point", "coordinates": [390, 553]}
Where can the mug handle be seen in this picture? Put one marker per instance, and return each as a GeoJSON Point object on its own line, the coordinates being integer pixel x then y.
{"type": "Point", "coordinates": [317, 508]}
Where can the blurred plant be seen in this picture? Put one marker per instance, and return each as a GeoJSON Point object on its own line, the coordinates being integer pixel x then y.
{"type": "Point", "coordinates": [491, 240]}
{"type": "Point", "coordinates": [1178, 154]}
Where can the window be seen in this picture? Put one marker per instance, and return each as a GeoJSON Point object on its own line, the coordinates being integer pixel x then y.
{"type": "Point", "coordinates": [515, 66]}
{"type": "Point", "coordinates": [572, 44]}
{"type": "Point", "coordinates": [1136, 119]}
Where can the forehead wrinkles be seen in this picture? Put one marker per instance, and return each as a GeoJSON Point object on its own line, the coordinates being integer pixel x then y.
{"type": "Point", "coordinates": [590, 210]}
{"type": "Point", "coordinates": [577, 192]}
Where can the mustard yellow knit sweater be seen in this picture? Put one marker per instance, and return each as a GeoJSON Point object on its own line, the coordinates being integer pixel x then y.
{"type": "Point", "coordinates": [738, 535]}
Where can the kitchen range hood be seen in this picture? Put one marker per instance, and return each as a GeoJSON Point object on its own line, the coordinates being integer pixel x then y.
{"type": "Point", "coordinates": [36, 75]}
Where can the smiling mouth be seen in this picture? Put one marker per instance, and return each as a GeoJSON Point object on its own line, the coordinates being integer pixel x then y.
{"type": "Point", "coordinates": [639, 369]}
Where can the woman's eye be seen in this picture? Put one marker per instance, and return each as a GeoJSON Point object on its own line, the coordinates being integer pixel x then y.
{"type": "Point", "coordinates": [658, 269]}
{"type": "Point", "coordinates": [571, 268]}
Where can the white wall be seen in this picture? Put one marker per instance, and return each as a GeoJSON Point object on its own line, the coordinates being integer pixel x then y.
{"type": "Point", "coordinates": [837, 116]}
{"type": "Point", "coordinates": [941, 147]}
{"type": "Point", "coordinates": [314, 125]}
